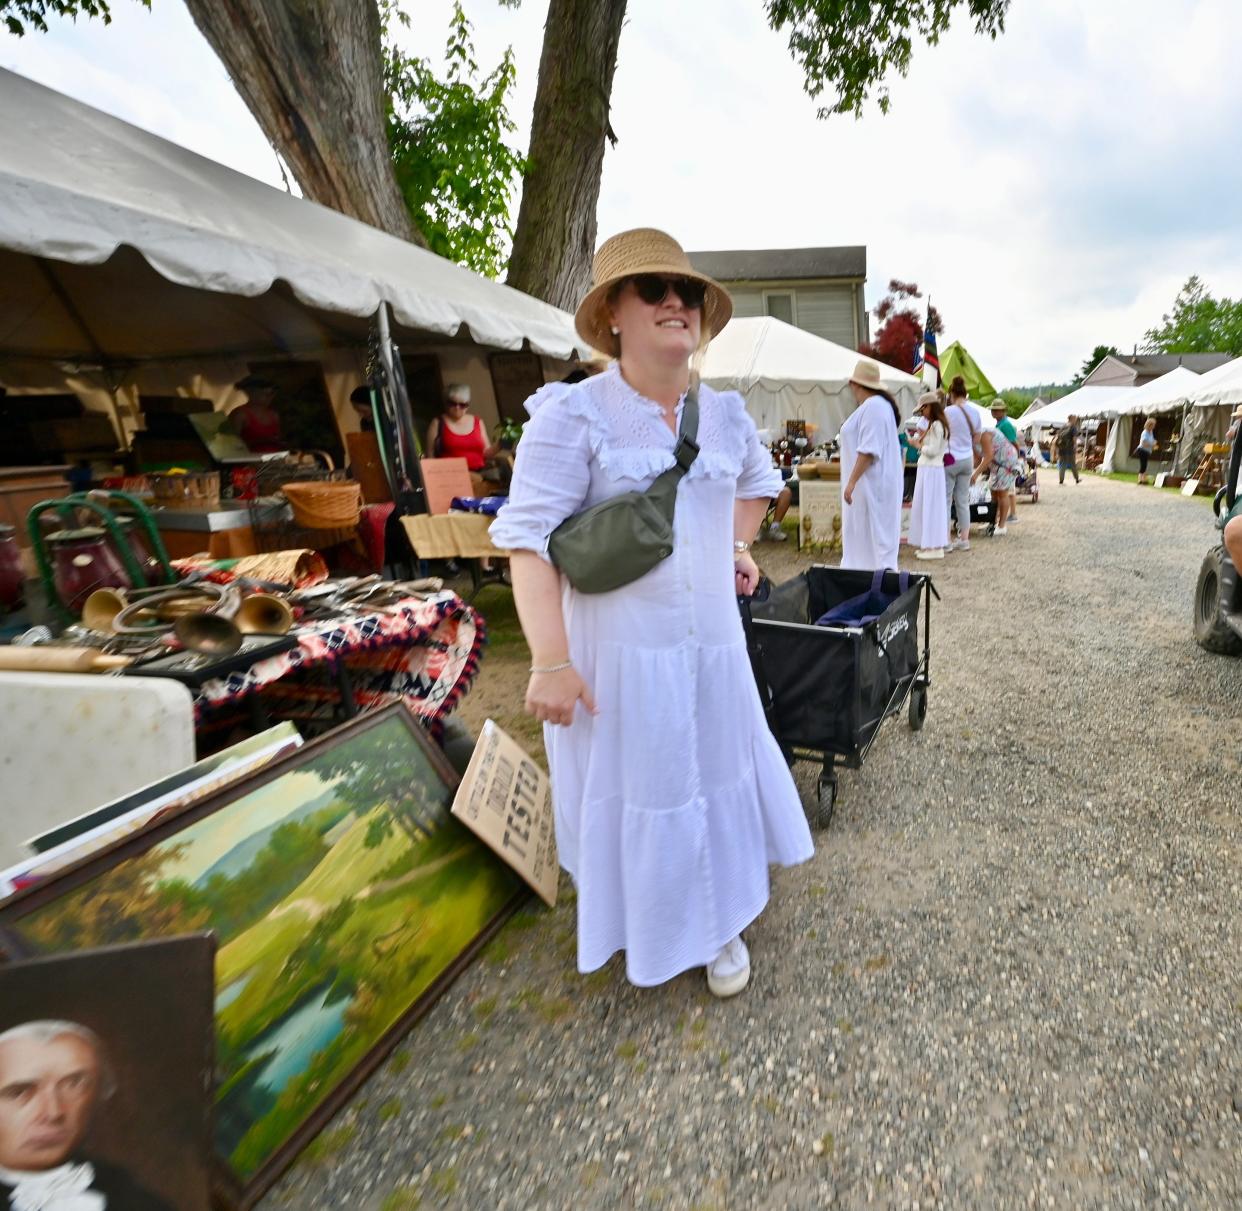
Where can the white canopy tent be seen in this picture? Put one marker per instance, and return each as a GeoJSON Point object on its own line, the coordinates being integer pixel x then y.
{"type": "Point", "coordinates": [1209, 416]}
{"type": "Point", "coordinates": [785, 373]}
{"type": "Point", "coordinates": [1220, 387]}
{"type": "Point", "coordinates": [1098, 402]}
{"type": "Point", "coordinates": [126, 259]}
{"type": "Point", "coordinates": [1168, 393]}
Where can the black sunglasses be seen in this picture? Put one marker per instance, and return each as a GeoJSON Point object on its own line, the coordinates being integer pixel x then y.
{"type": "Point", "coordinates": [653, 289]}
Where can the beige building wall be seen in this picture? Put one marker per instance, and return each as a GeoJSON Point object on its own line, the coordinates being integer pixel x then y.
{"type": "Point", "coordinates": [827, 309]}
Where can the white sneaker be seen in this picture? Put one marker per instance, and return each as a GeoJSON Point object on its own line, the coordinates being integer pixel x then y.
{"type": "Point", "coordinates": [1000, 530]}
{"type": "Point", "coordinates": [962, 544]}
{"type": "Point", "coordinates": [729, 972]}
{"type": "Point", "coordinates": [1013, 519]}
{"type": "Point", "coordinates": [775, 533]}
{"type": "Point", "coordinates": [930, 553]}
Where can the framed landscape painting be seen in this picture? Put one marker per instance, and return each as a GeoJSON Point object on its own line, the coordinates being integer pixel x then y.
{"type": "Point", "coordinates": [344, 897]}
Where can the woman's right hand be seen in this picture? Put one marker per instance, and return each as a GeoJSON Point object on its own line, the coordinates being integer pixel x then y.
{"type": "Point", "coordinates": [552, 697]}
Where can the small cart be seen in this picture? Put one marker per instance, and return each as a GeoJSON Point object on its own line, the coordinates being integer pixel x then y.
{"type": "Point", "coordinates": [826, 689]}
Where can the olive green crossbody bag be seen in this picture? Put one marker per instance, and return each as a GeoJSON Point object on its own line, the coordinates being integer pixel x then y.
{"type": "Point", "coordinates": [621, 539]}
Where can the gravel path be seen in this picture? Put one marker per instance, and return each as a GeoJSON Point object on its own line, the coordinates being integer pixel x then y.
{"type": "Point", "coordinates": [1011, 976]}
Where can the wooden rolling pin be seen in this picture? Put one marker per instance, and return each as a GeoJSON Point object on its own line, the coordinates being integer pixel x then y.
{"type": "Point", "coordinates": [58, 660]}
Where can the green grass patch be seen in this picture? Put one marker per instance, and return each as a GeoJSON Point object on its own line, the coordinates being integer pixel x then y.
{"type": "Point", "coordinates": [328, 1143]}
{"type": "Point", "coordinates": [451, 1133]}
{"type": "Point", "coordinates": [404, 1199]}
{"type": "Point", "coordinates": [498, 952]}
{"type": "Point", "coordinates": [504, 632]}
{"type": "Point", "coordinates": [1131, 477]}
{"type": "Point", "coordinates": [486, 1008]}
{"type": "Point", "coordinates": [444, 1181]}
{"type": "Point", "coordinates": [468, 1042]}
{"type": "Point", "coordinates": [438, 1101]}
{"type": "Point", "coordinates": [400, 1061]}
{"type": "Point", "coordinates": [554, 1009]}
{"type": "Point", "coordinates": [627, 1050]}
{"type": "Point", "coordinates": [528, 998]}
{"type": "Point", "coordinates": [876, 963]}
{"type": "Point", "coordinates": [390, 1109]}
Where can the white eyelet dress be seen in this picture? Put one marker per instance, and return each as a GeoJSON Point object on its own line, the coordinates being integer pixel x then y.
{"type": "Point", "coordinates": [673, 801]}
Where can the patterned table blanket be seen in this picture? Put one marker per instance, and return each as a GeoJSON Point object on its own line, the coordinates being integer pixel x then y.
{"type": "Point", "coordinates": [424, 651]}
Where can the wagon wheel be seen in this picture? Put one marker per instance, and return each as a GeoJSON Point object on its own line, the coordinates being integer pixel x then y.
{"type": "Point", "coordinates": [918, 707]}
{"type": "Point", "coordinates": [826, 793]}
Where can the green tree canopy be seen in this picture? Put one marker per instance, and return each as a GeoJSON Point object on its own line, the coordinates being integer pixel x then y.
{"type": "Point", "coordinates": [1097, 355]}
{"type": "Point", "coordinates": [454, 165]}
{"type": "Point", "coordinates": [851, 47]}
{"type": "Point", "coordinates": [1198, 323]}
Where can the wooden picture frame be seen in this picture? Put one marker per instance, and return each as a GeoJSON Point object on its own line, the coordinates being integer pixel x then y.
{"type": "Point", "coordinates": [349, 943]}
{"type": "Point", "coordinates": [515, 378]}
{"type": "Point", "coordinates": [148, 1006]}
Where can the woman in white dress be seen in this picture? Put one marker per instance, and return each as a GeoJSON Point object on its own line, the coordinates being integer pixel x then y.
{"type": "Point", "coordinates": [929, 522]}
{"type": "Point", "coordinates": [671, 796]}
{"type": "Point", "coordinates": [871, 475]}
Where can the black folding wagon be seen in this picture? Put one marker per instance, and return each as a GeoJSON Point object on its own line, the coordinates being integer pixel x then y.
{"type": "Point", "coordinates": [826, 689]}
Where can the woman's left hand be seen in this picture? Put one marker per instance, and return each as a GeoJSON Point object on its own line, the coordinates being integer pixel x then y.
{"type": "Point", "coordinates": [745, 575]}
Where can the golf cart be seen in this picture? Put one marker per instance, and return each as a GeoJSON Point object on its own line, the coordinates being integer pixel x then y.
{"type": "Point", "coordinates": [1218, 595]}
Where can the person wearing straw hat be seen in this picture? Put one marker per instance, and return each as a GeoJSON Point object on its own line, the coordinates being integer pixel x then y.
{"type": "Point", "coordinates": [1000, 414]}
{"type": "Point", "coordinates": [671, 797]}
{"type": "Point", "coordinates": [871, 475]}
{"type": "Point", "coordinates": [929, 521]}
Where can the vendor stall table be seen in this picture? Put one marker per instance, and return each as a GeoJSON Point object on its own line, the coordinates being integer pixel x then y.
{"type": "Point", "coordinates": [423, 651]}
{"type": "Point", "coordinates": [456, 536]}
{"type": "Point", "coordinates": [224, 532]}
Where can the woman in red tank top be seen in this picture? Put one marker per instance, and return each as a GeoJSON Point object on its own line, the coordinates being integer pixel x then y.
{"type": "Point", "coordinates": [257, 421]}
{"type": "Point", "coordinates": [457, 433]}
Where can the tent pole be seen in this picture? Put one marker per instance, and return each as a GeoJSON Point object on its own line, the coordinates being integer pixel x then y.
{"type": "Point", "coordinates": [110, 382]}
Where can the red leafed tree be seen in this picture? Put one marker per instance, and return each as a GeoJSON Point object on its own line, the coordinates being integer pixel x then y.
{"type": "Point", "coordinates": [899, 333]}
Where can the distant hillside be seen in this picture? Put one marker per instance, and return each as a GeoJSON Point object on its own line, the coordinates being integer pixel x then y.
{"type": "Point", "coordinates": [245, 852]}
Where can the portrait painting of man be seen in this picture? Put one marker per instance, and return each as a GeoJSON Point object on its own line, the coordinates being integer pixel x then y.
{"type": "Point", "coordinates": [53, 1078]}
{"type": "Point", "coordinates": [90, 1119]}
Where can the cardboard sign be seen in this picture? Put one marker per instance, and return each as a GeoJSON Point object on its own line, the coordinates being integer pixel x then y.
{"type": "Point", "coordinates": [445, 478]}
{"type": "Point", "coordinates": [505, 799]}
{"type": "Point", "coordinates": [819, 513]}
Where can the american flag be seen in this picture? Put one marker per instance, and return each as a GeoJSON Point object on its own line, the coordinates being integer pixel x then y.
{"type": "Point", "coordinates": [927, 360]}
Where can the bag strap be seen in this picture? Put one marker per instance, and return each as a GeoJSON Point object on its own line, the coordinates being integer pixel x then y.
{"type": "Point", "coordinates": [877, 580]}
{"type": "Point", "coordinates": [687, 446]}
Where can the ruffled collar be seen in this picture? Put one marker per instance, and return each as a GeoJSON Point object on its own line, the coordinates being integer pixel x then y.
{"type": "Point", "coordinates": [629, 437]}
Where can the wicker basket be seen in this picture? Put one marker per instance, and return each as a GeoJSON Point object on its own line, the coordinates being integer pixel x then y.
{"type": "Point", "coordinates": [192, 490]}
{"type": "Point", "coordinates": [325, 506]}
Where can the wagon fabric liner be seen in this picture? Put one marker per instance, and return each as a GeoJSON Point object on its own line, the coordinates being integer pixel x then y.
{"type": "Point", "coordinates": [831, 686]}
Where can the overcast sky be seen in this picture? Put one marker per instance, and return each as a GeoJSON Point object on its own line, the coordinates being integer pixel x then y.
{"type": "Point", "coordinates": [1051, 190]}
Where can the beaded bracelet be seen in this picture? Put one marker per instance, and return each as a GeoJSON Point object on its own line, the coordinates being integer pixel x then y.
{"type": "Point", "coordinates": [552, 668]}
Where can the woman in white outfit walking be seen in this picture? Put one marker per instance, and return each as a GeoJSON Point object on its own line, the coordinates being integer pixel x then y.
{"type": "Point", "coordinates": [671, 796]}
{"type": "Point", "coordinates": [872, 478]}
{"type": "Point", "coordinates": [929, 522]}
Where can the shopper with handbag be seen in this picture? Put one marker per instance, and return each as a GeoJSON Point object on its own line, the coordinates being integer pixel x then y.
{"type": "Point", "coordinates": [959, 460]}
{"type": "Point", "coordinates": [929, 522]}
{"type": "Point", "coordinates": [671, 796]}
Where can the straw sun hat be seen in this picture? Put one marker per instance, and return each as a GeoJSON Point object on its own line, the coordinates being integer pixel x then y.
{"type": "Point", "coordinates": [642, 250]}
{"type": "Point", "coordinates": [866, 374]}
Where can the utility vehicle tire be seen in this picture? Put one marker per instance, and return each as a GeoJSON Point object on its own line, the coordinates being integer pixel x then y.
{"type": "Point", "coordinates": [1212, 633]}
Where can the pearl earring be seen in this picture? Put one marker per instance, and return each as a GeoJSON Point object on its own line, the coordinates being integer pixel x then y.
{"type": "Point", "coordinates": [615, 331]}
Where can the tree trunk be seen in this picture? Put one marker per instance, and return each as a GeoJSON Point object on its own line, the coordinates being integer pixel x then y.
{"type": "Point", "coordinates": [555, 236]}
{"type": "Point", "coordinates": [311, 72]}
